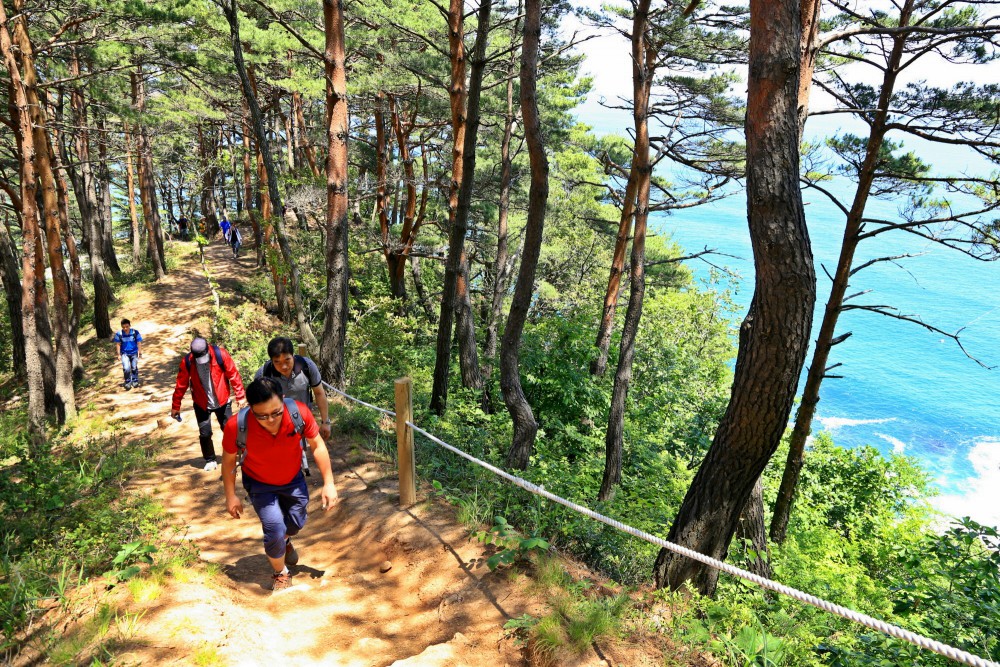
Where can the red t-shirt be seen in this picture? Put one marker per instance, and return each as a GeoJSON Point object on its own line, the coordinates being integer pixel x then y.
{"type": "Point", "coordinates": [271, 459]}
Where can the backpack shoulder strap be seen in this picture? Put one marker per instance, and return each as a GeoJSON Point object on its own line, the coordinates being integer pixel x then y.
{"type": "Point", "coordinates": [300, 364]}
{"type": "Point", "coordinates": [187, 362]}
{"type": "Point", "coordinates": [293, 410]}
{"type": "Point", "coordinates": [241, 434]}
{"type": "Point", "coordinates": [218, 357]}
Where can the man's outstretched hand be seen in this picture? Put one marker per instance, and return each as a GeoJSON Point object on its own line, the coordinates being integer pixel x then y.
{"type": "Point", "coordinates": [235, 507]}
{"type": "Point", "coordinates": [329, 496]}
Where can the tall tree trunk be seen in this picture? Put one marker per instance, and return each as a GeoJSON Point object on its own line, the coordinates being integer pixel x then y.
{"type": "Point", "coordinates": [304, 146]}
{"type": "Point", "coordinates": [774, 335]}
{"type": "Point", "coordinates": [147, 184]}
{"type": "Point", "coordinates": [460, 198]}
{"type": "Point", "coordinates": [30, 233]}
{"type": "Point", "coordinates": [644, 57]}
{"type": "Point", "coordinates": [456, 234]}
{"type": "Point", "coordinates": [501, 267]}
{"type": "Point", "coordinates": [525, 426]}
{"type": "Point", "coordinates": [750, 532]}
{"type": "Point", "coordinates": [130, 193]}
{"type": "Point", "coordinates": [65, 405]}
{"type": "Point", "coordinates": [267, 217]}
{"type": "Point", "coordinates": [105, 214]}
{"type": "Point", "coordinates": [86, 197]}
{"type": "Point", "coordinates": [468, 351]}
{"type": "Point", "coordinates": [391, 255]}
{"type": "Point", "coordinates": [418, 285]}
{"type": "Point", "coordinates": [207, 150]}
{"type": "Point", "coordinates": [79, 298]}
{"type": "Point", "coordinates": [231, 10]}
{"type": "Point", "coordinates": [248, 197]}
{"type": "Point", "coordinates": [335, 308]}
{"type": "Point", "coordinates": [827, 338]}
{"type": "Point", "coordinates": [599, 365]}
{"type": "Point", "coordinates": [412, 221]}
{"type": "Point", "coordinates": [12, 290]}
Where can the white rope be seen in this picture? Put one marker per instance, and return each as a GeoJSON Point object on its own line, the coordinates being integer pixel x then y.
{"type": "Point", "coordinates": [869, 621]}
{"type": "Point", "coordinates": [330, 387]}
{"type": "Point", "coordinates": [926, 643]}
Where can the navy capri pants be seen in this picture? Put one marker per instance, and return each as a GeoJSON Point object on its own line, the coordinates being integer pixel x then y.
{"type": "Point", "coordinates": [282, 510]}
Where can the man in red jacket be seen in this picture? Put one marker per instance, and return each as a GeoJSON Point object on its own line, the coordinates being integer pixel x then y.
{"type": "Point", "coordinates": [210, 373]}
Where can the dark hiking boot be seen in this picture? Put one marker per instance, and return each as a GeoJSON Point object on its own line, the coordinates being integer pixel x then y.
{"type": "Point", "coordinates": [291, 555]}
{"type": "Point", "coordinates": [281, 582]}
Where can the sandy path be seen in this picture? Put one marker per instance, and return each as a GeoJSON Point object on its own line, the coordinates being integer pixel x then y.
{"type": "Point", "coordinates": [438, 598]}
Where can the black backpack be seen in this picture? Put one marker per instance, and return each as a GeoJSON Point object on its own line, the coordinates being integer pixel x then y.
{"type": "Point", "coordinates": [189, 358]}
{"type": "Point", "coordinates": [297, 420]}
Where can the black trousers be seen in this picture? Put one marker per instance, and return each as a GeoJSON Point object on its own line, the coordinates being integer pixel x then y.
{"type": "Point", "coordinates": [204, 418]}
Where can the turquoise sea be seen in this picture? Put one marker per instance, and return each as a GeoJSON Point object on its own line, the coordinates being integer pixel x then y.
{"type": "Point", "coordinates": [905, 389]}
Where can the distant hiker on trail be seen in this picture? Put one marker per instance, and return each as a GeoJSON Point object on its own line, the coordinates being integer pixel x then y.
{"type": "Point", "coordinates": [182, 227]}
{"type": "Point", "coordinates": [210, 372]}
{"type": "Point", "coordinates": [224, 225]}
{"type": "Point", "coordinates": [128, 343]}
{"type": "Point", "coordinates": [299, 378]}
{"type": "Point", "coordinates": [265, 438]}
{"type": "Point", "coordinates": [235, 241]}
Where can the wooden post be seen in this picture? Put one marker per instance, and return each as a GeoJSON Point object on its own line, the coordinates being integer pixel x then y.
{"type": "Point", "coordinates": [404, 443]}
{"type": "Point", "coordinates": [302, 349]}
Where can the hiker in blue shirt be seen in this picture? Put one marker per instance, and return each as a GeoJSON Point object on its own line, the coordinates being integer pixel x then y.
{"type": "Point", "coordinates": [128, 342]}
{"type": "Point", "coordinates": [224, 225]}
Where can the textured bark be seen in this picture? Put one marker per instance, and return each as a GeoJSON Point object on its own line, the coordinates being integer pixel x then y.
{"type": "Point", "coordinates": [412, 219]}
{"type": "Point", "coordinates": [258, 237]}
{"type": "Point", "coordinates": [130, 193]}
{"type": "Point", "coordinates": [65, 400]}
{"type": "Point", "coordinates": [600, 364]}
{"type": "Point", "coordinates": [231, 10]}
{"type": "Point", "coordinates": [337, 271]}
{"type": "Point", "coordinates": [750, 531]}
{"type": "Point", "coordinates": [303, 138]}
{"type": "Point", "coordinates": [103, 182]}
{"type": "Point", "coordinates": [267, 215]}
{"type": "Point", "coordinates": [501, 265]}
{"type": "Point", "coordinates": [10, 275]}
{"type": "Point", "coordinates": [644, 56]}
{"type": "Point", "coordinates": [456, 234]}
{"type": "Point", "coordinates": [30, 232]}
{"type": "Point", "coordinates": [826, 338]}
{"type": "Point", "coordinates": [147, 183]}
{"type": "Point", "coordinates": [396, 289]}
{"type": "Point", "coordinates": [418, 285]}
{"type": "Point", "coordinates": [207, 149]}
{"type": "Point", "coordinates": [775, 333]}
{"type": "Point", "coordinates": [465, 331]}
{"type": "Point", "coordinates": [86, 197]}
{"type": "Point", "coordinates": [525, 426]}
{"type": "Point", "coordinates": [79, 297]}
{"type": "Point", "coordinates": [809, 12]}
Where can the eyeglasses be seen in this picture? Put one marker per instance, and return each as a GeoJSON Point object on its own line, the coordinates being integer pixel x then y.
{"type": "Point", "coordinates": [274, 415]}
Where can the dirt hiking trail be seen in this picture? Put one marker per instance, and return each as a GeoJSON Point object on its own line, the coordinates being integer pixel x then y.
{"type": "Point", "coordinates": [437, 605]}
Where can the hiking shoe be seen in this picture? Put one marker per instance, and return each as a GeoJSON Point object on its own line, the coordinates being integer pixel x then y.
{"type": "Point", "coordinates": [210, 466]}
{"type": "Point", "coordinates": [127, 386]}
{"type": "Point", "coordinates": [281, 581]}
{"type": "Point", "coordinates": [291, 555]}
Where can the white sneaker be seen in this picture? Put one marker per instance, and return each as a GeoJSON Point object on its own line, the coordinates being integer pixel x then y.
{"type": "Point", "coordinates": [210, 466]}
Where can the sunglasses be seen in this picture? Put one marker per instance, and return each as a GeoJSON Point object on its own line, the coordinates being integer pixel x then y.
{"type": "Point", "coordinates": [269, 417]}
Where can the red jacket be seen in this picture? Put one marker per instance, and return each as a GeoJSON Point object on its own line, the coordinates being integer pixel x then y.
{"type": "Point", "coordinates": [191, 379]}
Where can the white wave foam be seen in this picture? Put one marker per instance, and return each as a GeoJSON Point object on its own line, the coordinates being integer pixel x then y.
{"type": "Point", "coordinates": [831, 423]}
{"type": "Point", "coordinates": [898, 446]}
{"type": "Point", "coordinates": [981, 500]}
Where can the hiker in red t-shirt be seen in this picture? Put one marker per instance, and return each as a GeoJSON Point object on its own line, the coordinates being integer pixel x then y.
{"type": "Point", "coordinates": [272, 474]}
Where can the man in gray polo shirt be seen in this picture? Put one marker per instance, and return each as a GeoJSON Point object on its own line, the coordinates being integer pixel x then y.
{"type": "Point", "coordinates": [299, 378]}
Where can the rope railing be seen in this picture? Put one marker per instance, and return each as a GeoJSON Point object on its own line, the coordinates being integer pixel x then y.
{"type": "Point", "coordinates": [871, 622]}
